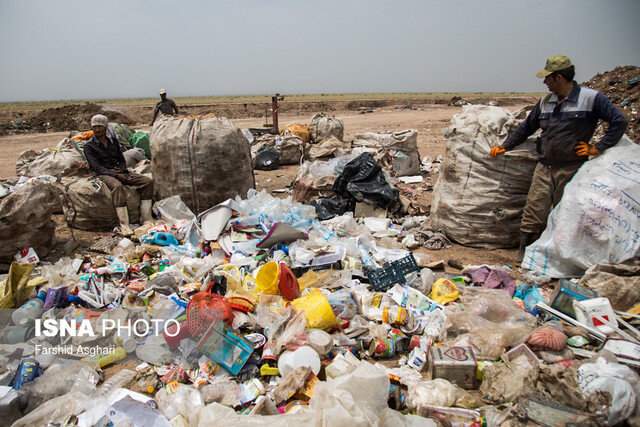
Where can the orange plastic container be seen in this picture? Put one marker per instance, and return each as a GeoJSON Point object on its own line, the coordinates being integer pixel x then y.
{"type": "Point", "coordinates": [288, 283]}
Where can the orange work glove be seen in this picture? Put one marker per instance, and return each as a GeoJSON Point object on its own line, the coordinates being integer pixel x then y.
{"type": "Point", "coordinates": [496, 151]}
{"type": "Point", "coordinates": [585, 150]}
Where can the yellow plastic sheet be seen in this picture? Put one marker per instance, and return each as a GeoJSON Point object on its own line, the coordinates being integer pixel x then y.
{"type": "Point", "coordinates": [237, 285]}
{"type": "Point", "coordinates": [301, 131]}
{"type": "Point", "coordinates": [316, 309]}
{"type": "Point", "coordinates": [444, 291]}
{"type": "Point", "coordinates": [15, 290]}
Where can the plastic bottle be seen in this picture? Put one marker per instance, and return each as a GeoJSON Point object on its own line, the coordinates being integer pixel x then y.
{"type": "Point", "coordinates": [101, 361]}
{"type": "Point", "coordinates": [125, 341]}
{"type": "Point", "coordinates": [29, 311]}
{"type": "Point", "coordinates": [119, 380]}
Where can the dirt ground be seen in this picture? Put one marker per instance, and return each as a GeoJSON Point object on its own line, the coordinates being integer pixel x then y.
{"type": "Point", "coordinates": [429, 120]}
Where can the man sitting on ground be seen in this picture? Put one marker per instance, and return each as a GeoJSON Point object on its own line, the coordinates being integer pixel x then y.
{"type": "Point", "coordinates": [105, 159]}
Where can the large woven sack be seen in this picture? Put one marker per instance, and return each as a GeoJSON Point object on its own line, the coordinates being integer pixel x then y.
{"type": "Point", "coordinates": [396, 151]}
{"type": "Point", "coordinates": [330, 147]}
{"type": "Point", "coordinates": [121, 132]}
{"type": "Point", "coordinates": [87, 204]}
{"type": "Point", "coordinates": [478, 199]}
{"type": "Point", "coordinates": [291, 149]}
{"type": "Point", "coordinates": [25, 218]}
{"type": "Point", "coordinates": [204, 161]}
{"type": "Point", "coordinates": [66, 159]}
{"type": "Point", "coordinates": [597, 220]}
{"type": "Point", "coordinates": [324, 126]}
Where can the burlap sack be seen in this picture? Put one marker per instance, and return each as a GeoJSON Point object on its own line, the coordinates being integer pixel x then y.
{"type": "Point", "coordinates": [478, 199]}
{"type": "Point", "coordinates": [87, 204]}
{"type": "Point", "coordinates": [66, 159]}
{"type": "Point", "coordinates": [396, 151]}
{"type": "Point", "coordinates": [324, 126]}
{"type": "Point", "coordinates": [203, 160]}
{"type": "Point", "coordinates": [25, 219]}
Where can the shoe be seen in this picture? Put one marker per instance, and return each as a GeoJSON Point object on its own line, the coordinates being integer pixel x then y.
{"type": "Point", "coordinates": [145, 211]}
{"type": "Point", "coordinates": [123, 218]}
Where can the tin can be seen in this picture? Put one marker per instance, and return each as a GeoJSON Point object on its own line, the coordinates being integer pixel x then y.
{"type": "Point", "coordinates": [395, 315]}
{"type": "Point", "coordinates": [383, 348]}
{"type": "Point", "coordinates": [28, 370]}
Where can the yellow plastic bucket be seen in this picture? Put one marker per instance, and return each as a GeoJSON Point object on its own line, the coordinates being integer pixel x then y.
{"type": "Point", "coordinates": [267, 279]}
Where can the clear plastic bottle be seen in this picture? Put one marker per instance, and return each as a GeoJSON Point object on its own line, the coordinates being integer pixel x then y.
{"type": "Point", "coordinates": [28, 312]}
{"type": "Point", "coordinates": [119, 380]}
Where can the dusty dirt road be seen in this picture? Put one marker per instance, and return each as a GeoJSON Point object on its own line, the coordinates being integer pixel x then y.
{"type": "Point", "coordinates": [429, 120]}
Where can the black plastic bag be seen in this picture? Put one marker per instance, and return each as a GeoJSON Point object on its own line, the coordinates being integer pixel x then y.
{"type": "Point", "coordinates": [363, 180]}
{"type": "Point", "coordinates": [267, 159]}
{"type": "Point", "coordinates": [330, 207]}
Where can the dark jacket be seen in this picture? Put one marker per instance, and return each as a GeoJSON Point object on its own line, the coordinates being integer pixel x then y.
{"type": "Point", "coordinates": [105, 160]}
{"type": "Point", "coordinates": [167, 106]}
{"type": "Point", "coordinates": [566, 123]}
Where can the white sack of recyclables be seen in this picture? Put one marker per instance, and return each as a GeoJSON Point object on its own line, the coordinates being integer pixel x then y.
{"type": "Point", "coordinates": [598, 219]}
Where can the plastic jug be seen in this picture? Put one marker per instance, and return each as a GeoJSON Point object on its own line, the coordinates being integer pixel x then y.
{"type": "Point", "coordinates": [596, 312]}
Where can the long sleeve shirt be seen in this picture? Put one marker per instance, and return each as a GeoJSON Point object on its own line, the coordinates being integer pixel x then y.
{"type": "Point", "coordinates": [567, 122]}
{"type": "Point", "coordinates": [105, 159]}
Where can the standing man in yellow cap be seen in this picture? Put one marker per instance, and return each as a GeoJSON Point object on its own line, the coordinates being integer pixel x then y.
{"type": "Point", "coordinates": [568, 117]}
{"type": "Point", "coordinates": [165, 106]}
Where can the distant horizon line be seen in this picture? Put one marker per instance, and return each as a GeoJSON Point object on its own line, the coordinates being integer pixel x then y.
{"type": "Point", "coordinates": [100, 100]}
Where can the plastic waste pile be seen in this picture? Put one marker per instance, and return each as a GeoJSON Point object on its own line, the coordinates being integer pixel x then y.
{"type": "Point", "coordinates": [257, 312]}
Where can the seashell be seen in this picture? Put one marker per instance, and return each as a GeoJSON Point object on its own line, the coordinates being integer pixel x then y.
{"type": "Point", "coordinates": [548, 338]}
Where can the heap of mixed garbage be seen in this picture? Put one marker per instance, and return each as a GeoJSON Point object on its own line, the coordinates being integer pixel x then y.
{"type": "Point", "coordinates": [263, 310]}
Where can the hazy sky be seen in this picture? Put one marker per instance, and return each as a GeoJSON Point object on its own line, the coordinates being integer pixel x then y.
{"type": "Point", "coordinates": [64, 49]}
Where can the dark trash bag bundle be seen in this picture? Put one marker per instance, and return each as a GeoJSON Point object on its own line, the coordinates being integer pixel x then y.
{"type": "Point", "coordinates": [267, 159]}
{"type": "Point", "coordinates": [329, 207]}
{"type": "Point", "coordinates": [362, 180]}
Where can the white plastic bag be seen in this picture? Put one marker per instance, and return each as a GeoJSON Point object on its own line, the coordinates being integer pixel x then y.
{"type": "Point", "coordinates": [185, 401]}
{"type": "Point", "coordinates": [619, 381]}
{"type": "Point", "coordinates": [598, 219]}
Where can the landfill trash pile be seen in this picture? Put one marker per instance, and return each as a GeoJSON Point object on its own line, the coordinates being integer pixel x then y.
{"type": "Point", "coordinates": [73, 117]}
{"type": "Point", "coordinates": [323, 139]}
{"type": "Point", "coordinates": [622, 86]}
{"type": "Point", "coordinates": [257, 312]}
{"type": "Point", "coordinates": [478, 200]}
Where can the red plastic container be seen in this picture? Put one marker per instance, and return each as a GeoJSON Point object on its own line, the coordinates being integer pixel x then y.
{"type": "Point", "coordinates": [288, 283]}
